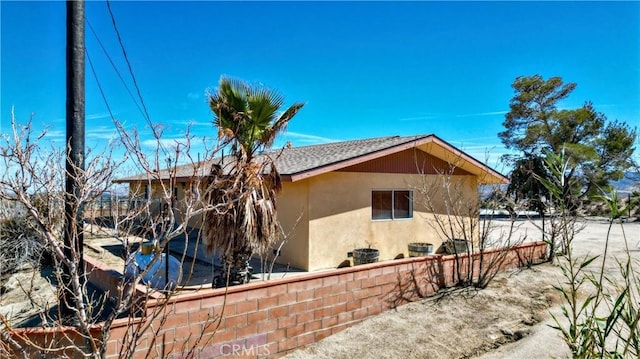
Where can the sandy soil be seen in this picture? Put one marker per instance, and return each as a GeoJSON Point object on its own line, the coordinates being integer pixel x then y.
{"type": "Point", "coordinates": [27, 292]}
{"type": "Point", "coordinates": [15, 305]}
{"type": "Point", "coordinates": [509, 319]}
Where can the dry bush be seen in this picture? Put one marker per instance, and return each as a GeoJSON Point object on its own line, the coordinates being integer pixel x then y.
{"type": "Point", "coordinates": [34, 183]}
{"type": "Point", "coordinates": [457, 220]}
{"type": "Point", "coordinates": [21, 244]}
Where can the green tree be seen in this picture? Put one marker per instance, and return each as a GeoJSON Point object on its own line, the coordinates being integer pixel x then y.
{"type": "Point", "coordinates": [524, 186]}
{"type": "Point", "coordinates": [248, 119]}
{"type": "Point", "coordinates": [598, 151]}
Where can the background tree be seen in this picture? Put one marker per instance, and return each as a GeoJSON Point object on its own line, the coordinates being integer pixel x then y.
{"type": "Point", "coordinates": [524, 186]}
{"type": "Point", "coordinates": [248, 119]}
{"type": "Point", "coordinates": [597, 151]}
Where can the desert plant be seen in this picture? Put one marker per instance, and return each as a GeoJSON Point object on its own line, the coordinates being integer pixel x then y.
{"type": "Point", "coordinates": [564, 222]}
{"type": "Point", "coordinates": [605, 323]}
{"type": "Point", "coordinates": [248, 119]}
{"type": "Point", "coordinates": [20, 242]}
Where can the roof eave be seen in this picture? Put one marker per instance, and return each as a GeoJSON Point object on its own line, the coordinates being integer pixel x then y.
{"type": "Point", "coordinates": [486, 175]}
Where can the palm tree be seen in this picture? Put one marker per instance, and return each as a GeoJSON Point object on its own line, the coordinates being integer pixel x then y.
{"type": "Point", "coordinates": [248, 119]}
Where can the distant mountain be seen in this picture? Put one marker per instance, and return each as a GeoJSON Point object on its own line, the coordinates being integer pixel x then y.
{"type": "Point", "coordinates": [485, 191]}
{"type": "Point", "coordinates": [628, 184]}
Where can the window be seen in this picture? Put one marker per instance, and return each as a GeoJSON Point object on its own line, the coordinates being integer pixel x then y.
{"type": "Point", "coordinates": [391, 204]}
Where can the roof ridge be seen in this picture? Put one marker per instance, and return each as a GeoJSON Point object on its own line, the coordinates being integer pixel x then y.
{"type": "Point", "coordinates": [372, 139]}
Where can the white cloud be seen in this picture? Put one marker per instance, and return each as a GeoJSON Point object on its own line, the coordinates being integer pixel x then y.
{"type": "Point", "coordinates": [491, 113]}
{"type": "Point", "coordinates": [53, 134]}
{"type": "Point", "coordinates": [485, 141]}
{"type": "Point", "coordinates": [92, 116]}
{"type": "Point", "coordinates": [194, 123]}
{"type": "Point", "coordinates": [489, 153]}
{"type": "Point", "coordinates": [418, 118]}
{"type": "Point", "coordinates": [165, 142]}
{"type": "Point", "coordinates": [97, 116]}
{"type": "Point", "coordinates": [171, 143]}
{"type": "Point", "coordinates": [198, 149]}
{"type": "Point", "coordinates": [102, 132]}
{"type": "Point", "coordinates": [305, 138]}
{"type": "Point", "coordinates": [195, 96]}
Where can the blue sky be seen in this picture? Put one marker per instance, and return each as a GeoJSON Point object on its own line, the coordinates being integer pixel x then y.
{"type": "Point", "coordinates": [364, 69]}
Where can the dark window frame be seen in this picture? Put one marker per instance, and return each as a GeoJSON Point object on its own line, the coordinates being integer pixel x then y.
{"type": "Point", "coordinates": [388, 210]}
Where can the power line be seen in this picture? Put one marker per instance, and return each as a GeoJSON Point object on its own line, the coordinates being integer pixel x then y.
{"type": "Point", "coordinates": [102, 93]}
{"type": "Point", "coordinates": [95, 76]}
{"type": "Point", "coordinates": [126, 58]}
{"type": "Point", "coordinates": [135, 83]}
{"type": "Point", "coordinates": [115, 68]}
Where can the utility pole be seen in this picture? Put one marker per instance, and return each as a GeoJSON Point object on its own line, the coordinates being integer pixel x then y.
{"type": "Point", "coordinates": [73, 227]}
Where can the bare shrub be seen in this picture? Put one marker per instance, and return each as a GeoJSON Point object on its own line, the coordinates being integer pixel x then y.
{"type": "Point", "coordinates": [33, 183]}
{"type": "Point", "coordinates": [479, 249]}
{"type": "Point", "coordinates": [20, 242]}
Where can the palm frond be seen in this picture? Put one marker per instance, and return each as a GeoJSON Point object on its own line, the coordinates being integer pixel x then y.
{"type": "Point", "coordinates": [280, 124]}
{"type": "Point", "coordinates": [247, 118]}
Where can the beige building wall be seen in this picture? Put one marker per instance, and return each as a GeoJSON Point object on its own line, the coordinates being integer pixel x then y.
{"type": "Point", "coordinates": [184, 196]}
{"type": "Point", "coordinates": [181, 193]}
{"type": "Point", "coordinates": [340, 216]}
{"type": "Point", "coordinates": [293, 214]}
{"type": "Point", "coordinates": [329, 215]}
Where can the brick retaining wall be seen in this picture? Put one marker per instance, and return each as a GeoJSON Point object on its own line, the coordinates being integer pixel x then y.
{"type": "Point", "coordinates": [272, 318]}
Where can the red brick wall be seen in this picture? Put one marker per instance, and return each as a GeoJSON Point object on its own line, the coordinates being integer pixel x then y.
{"type": "Point", "coordinates": [272, 318]}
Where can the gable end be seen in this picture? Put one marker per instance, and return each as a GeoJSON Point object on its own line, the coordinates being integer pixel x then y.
{"type": "Point", "coordinates": [409, 161]}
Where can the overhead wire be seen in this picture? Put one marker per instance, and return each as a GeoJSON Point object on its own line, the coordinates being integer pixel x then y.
{"type": "Point", "coordinates": [154, 128]}
{"type": "Point", "coordinates": [95, 76]}
{"type": "Point", "coordinates": [115, 68]}
{"type": "Point", "coordinates": [101, 89]}
{"type": "Point", "coordinates": [126, 58]}
{"type": "Point", "coordinates": [102, 93]}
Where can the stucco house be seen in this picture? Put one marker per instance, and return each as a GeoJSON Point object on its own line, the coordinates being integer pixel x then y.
{"type": "Point", "coordinates": [345, 195]}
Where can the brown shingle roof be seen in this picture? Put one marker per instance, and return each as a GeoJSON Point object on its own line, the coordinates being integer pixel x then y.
{"type": "Point", "coordinates": [296, 163]}
{"type": "Point", "coordinates": [302, 159]}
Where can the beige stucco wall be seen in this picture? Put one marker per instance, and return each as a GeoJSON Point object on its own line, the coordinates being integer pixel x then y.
{"type": "Point", "coordinates": [137, 191]}
{"type": "Point", "coordinates": [293, 214]}
{"type": "Point", "coordinates": [327, 216]}
{"type": "Point", "coordinates": [340, 216]}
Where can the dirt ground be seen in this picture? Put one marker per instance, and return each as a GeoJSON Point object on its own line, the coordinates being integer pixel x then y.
{"type": "Point", "coordinates": [26, 292]}
{"type": "Point", "coordinates": [15, 305]}
{"type": "Point", "coordinates": [509, 319]}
